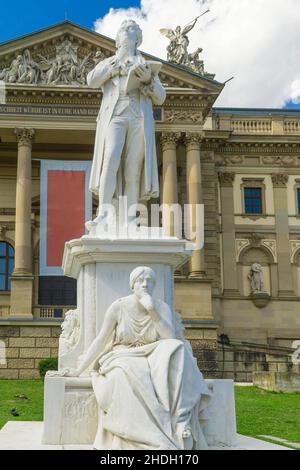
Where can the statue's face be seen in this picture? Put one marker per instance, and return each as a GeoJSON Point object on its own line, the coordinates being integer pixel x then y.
{"type": "Point", "coordinates": [144, 285]}
{"type": "Point", "coordinates": [128, 34]}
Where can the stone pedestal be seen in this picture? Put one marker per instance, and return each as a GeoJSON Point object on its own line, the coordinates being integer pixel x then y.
{"type": "Point", "coordinates": [102, 269]}
{"type": "Point", "coordinates": [74, 419]}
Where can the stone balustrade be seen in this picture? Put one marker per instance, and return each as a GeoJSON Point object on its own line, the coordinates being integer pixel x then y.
{"type": "Point", "coordinates": [255, 125]}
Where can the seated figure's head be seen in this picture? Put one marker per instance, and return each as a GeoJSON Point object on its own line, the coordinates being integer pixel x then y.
{"type": "Point", "coordinates": [142, 281]}
{"type": "Point", "coordinates": [129, 32]}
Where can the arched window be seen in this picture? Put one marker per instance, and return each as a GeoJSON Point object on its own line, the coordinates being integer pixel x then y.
{"type": "Point", "coordinates": [7, 261]}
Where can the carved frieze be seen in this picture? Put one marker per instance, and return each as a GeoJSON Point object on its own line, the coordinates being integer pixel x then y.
{"type": "Point", "coordinates": [62, 66]}
{"type": "Point", "coordinates": [186, 116]}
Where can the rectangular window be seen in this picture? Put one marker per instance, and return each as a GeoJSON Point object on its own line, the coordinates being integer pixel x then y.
{"type": "Point", "coordinates": [298, 200]}
{"type": "Point", "coordinates": [253, 200]}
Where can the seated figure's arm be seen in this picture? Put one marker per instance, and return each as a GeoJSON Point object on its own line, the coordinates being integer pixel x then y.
{"type": "Point", "coordinates": [161, 315]}
{"type": "Point", "coordinates": [98, 345]}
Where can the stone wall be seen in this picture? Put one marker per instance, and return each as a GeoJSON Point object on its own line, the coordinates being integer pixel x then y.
{"type": "Point", "coordinates": [239, 361]}
{"type": "Point", "coordinates": [25, 346]}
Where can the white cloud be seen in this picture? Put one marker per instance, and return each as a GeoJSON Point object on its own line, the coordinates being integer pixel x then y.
{"type": "Point", "coordinates": [295, 91]}
{"type": "Point", "coordinates": [256, 41]}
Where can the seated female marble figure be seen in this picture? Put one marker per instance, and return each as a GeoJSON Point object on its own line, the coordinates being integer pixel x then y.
{"type": "Point", "coordinates": [150, 392]}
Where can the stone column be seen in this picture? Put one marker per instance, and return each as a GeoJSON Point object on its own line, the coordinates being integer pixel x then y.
{"type": "Point", "coordinates": [169, 141]}
{"type": "Point", "coordinates": [285, 275]}
{"type": "Point", "coordinates": [22, 279]}
{"type": "Point", "coordinates": [194, 195]}
{"type": "Point", "coordinates": [228, 233]}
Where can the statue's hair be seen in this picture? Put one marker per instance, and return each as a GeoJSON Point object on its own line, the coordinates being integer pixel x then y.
{"type": "Point", "coordinates": [125, 25]}
{"type": "Point", "coordinates": [138, 272]}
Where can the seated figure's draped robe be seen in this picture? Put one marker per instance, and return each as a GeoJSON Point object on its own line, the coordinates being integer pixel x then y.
{"type": "Point", "coordinates": [148, 389]}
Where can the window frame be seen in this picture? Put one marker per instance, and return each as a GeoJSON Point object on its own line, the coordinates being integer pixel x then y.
{"type": "Point", "coordinates": [251, 183]}
{"type": "Point", "coordinates": [297, 200]}
{"type": "Point", "coordinates": [7, 257]}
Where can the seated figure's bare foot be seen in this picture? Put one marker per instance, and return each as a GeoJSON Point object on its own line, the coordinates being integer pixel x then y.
{"type": "Point", "coordinates": [187, 433]}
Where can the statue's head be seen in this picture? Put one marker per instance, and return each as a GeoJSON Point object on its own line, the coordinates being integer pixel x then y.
{"type": "Point", "coordinates": [129, 32]}
{"type": "Point", "coordinates": [178, 29]}
{"type": "Point", "coordinates": [142, 281]}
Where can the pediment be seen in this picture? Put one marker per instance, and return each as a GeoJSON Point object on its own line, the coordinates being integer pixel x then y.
{"type": "Point", "coordinates": [62, 55]}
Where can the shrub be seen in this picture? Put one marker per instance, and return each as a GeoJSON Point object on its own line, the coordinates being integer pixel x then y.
{"type": "Point", "coordinates": [48, 364]}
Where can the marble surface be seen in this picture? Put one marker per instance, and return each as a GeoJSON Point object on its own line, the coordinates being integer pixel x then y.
{"type": "Point", "coordinates": [28, 436]}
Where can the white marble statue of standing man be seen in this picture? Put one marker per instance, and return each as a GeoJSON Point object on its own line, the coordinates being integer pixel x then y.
{"type": "Point", "coordinates": [125, 161]}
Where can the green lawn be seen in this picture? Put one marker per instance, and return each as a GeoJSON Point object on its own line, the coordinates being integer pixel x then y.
{"type": "Point", "coordinates": [258, 412]}
{"type": "Point", "coordinates": [29, 410]}
{"type": "Point", "coordinates": [267, 413]}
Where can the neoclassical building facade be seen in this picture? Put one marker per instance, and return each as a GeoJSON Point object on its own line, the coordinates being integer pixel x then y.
{"type": "Point", "coordinates": [242, 288]}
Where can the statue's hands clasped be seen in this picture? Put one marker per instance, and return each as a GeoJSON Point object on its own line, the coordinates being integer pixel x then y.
{"type": "Point", "coordinates": [144, 74]}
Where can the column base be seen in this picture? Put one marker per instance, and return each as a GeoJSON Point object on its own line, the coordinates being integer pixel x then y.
{"type": "Point", "coordinates": [21, 296]}
{"type": "Point", "coordinates": [194, 298]}
{"type": "Point", "coordinates": [197, 275]}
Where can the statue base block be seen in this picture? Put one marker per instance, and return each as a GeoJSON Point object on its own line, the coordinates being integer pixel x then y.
{"type": "Point", "coordinates": [102, 269]}
{"type": "Point", "coordinates": [74, 418]}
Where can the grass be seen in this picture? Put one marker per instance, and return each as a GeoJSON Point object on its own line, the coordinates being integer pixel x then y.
{"type": "Point", "coordinates": [258, 412]}
{"type": "Point", "coordinates": [29, 410]}
{"type": "Point", "coordinates": [268, 413]}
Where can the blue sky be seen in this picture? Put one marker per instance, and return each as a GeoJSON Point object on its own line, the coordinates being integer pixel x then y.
{"type": "Point", "coordinates": [19, 17]}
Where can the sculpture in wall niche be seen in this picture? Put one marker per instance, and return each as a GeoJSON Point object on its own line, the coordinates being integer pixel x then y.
{"type": "Point", "coordinates": [177, 50]}
{"type": "Point", "coordinates": [150, 392]}
{"type": "Point", "coordinates": [70, 332]}
{"type": "Point", "coordinates": [256, 278]}
{"type": "Point", "coordinates": [125, 161]}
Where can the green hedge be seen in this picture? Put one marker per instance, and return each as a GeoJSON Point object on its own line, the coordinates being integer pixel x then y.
{"type": "Point", "coordinates": [48, 364]}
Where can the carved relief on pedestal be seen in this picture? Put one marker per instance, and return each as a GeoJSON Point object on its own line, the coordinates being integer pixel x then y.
{"type": "Point", "coordinates": [70, 332]}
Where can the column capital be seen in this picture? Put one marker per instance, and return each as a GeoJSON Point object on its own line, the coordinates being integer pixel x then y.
{"type": "Point", "coordinates": [24, 136]}
{"type": "Point", "coordinates": [226, 178]}
{"type": "Point", "coordinates": [192, 140]}
{"type": "Point", "coordinates": [169, 140]}
{"type": "Point", "coordinates": [279, 180]}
